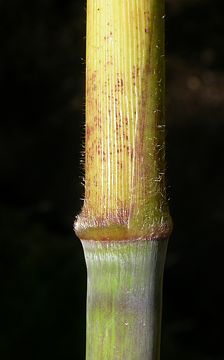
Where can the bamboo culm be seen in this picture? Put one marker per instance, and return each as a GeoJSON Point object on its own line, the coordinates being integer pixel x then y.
{"type": "Point", "coordinates": [125, 223]}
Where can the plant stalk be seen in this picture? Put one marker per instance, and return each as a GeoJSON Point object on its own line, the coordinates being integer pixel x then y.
{"type": "Point", "coordinates": [124, 299]}
{"type": "Point", "coordinates": [125, 223]}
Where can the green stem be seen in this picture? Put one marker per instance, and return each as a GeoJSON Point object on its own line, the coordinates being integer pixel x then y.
{"type": "Point", "coordinates": [124, 299]}
{"type": "Point", "coordinates": [125, 223]}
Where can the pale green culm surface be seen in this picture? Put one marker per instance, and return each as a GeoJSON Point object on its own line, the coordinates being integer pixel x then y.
{"type": "Point", "coordinates": [124, 299]}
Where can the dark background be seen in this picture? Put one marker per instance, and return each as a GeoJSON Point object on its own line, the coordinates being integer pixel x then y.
{"type": "Point", "coordinates": [43, 276]}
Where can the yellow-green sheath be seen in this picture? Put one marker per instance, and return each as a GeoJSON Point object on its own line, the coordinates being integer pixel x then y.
{"type": "Point", "coordinates": [124, 148]}
{"type": "Point", "coordinates": [124, 224]}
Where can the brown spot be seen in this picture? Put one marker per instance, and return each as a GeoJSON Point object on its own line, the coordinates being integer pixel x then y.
{"type": "Point", "coordinates": [89, 130]}
{"type": "Point", "coordinates": [119, 86]}
{"type": "Point", "coordinates": [132, 154]}
{"type": "Point", "coordinates": [109, 62]}
{"type": "Point", "coordinates": [146, 13]}
{"type": "Point", "coordinates": [135, 74]}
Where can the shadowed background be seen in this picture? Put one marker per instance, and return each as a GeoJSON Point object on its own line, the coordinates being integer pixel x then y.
{"type": "Point", "coordinates": [43, 276]}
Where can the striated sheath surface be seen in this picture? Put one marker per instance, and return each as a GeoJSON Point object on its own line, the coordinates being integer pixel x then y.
{"type": "Point", "coordinates": [124, 142]}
